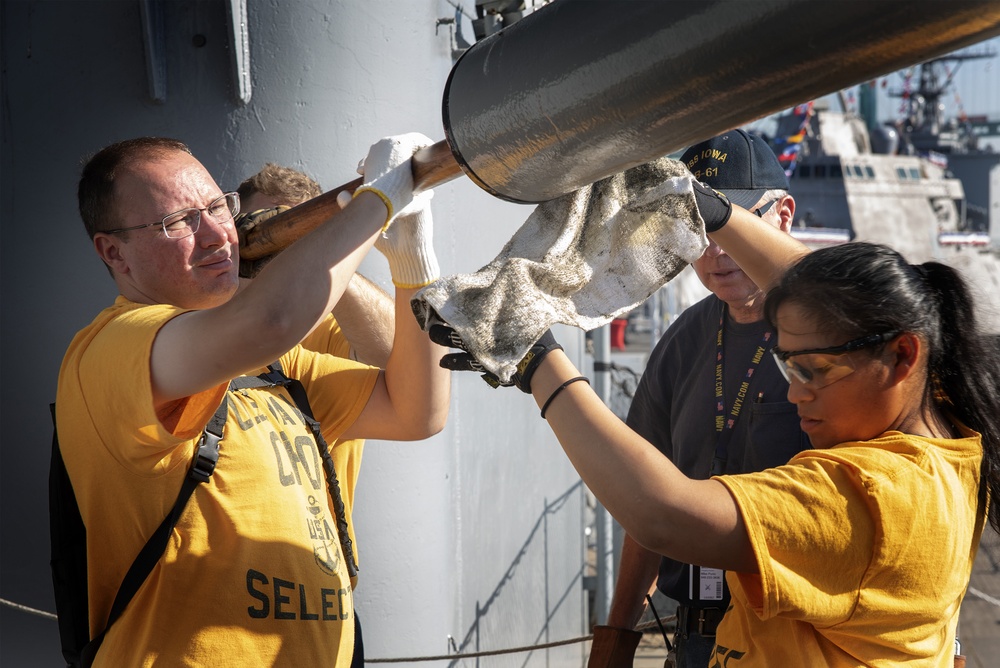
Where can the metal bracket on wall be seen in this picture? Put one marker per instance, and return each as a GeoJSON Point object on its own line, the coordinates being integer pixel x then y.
{"type": "Point", "coordinates": [153, 41]}
{"type": "Point", "coordinates": [239, 33]}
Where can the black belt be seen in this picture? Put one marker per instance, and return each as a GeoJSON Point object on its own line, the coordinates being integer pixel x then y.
{"type": "Point", "coordinates": [703, 621]}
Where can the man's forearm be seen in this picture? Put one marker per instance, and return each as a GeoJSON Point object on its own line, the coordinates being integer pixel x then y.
{"type": "Point", "coordinates": [316, 270]}
{"type": "Point", "coordinates": [366, 315]}
{"type": "Point", "coordinates": [637, 572]}
{"type": "Point", "coordinates": [417, 385]}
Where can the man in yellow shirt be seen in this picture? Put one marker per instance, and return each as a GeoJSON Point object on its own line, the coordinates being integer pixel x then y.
{"type": "Point", "coordinates": [253, 573]}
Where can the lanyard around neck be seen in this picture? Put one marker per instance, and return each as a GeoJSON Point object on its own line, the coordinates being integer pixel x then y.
{"type": "Point", "coordinates": [726, 420]}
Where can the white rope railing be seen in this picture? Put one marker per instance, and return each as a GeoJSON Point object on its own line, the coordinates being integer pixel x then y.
{"type": "Point", "coordinates": [441, 657]}
{"type": "Point", "coordinates": [474, 655]}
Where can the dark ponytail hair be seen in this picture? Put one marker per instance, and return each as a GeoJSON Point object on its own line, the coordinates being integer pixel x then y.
{"type": "Point", "coordinates": [861, 288]}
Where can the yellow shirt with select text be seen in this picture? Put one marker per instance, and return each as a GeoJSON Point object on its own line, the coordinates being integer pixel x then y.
{"type": "Point", "coordinates": [253, 573]}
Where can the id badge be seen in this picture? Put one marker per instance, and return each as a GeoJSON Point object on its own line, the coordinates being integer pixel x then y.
{"type": "Point", "coordinates": [706, 584]}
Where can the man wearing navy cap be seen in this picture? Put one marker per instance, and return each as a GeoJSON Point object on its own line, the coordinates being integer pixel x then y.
{"type": "Point", "coordinates": [711, 401]}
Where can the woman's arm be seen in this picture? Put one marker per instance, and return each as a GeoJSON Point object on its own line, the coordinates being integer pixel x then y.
{"type": "Point", "coordinates": [695, 521]}
{"type": "Point", "coordinates": [761, 250]}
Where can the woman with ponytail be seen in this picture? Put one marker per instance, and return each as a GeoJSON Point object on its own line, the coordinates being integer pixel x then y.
{"type": "Point", "coordinates": [868, 287]}
{"type": "Point", "coordinates": [859, 551]}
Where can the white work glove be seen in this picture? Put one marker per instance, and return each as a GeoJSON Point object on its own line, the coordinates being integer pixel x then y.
{"type": "Point", "coordinates": [408, 245]}
{"type": "Point", "coordinates": [388, 172]}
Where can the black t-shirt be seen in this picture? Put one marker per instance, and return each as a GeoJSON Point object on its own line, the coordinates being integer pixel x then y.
{"type": "Point", "coordinates": [675, 408]}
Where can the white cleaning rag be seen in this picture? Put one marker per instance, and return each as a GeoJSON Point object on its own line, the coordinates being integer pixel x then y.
{"type": "Point", "coordinates": [581, 259]}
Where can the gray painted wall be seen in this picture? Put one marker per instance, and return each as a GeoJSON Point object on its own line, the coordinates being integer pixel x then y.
{"type": "Point", "coordinates": [475, 534]}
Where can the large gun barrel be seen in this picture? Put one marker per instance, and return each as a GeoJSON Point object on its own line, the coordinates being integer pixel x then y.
{"type": "Point", "coordinates": [579, 89]}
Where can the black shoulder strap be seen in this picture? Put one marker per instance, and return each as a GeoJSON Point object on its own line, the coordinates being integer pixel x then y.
{"type": "Point", "coordinates": [201, 470]}
{"type": "Point", "coordinates": [68, 545]}
{"type": "Point", "coordinates": [276, 376]}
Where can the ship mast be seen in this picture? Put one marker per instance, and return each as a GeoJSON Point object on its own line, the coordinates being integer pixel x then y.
{"type": "Point", "coordinates": [924, 127]}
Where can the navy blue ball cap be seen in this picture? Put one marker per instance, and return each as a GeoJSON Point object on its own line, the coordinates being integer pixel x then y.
{"type": "Point", "coordinates": [738, 164]}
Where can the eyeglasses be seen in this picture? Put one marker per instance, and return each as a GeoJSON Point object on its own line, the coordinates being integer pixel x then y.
{"type": "Point", "coordinates": [818, 367]}
{"type": "Point", "coordinates": [185, 222]}
{"type": "Point", "coordinates": [759, 212]}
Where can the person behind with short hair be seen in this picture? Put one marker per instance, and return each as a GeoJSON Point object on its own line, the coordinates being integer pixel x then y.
{"type": "Point", "coordinates": [711, 401]}
{"type": "Point", "coordinates": [277, 185]}
{"type": "Point", "coordinates": [256, 571]}
{"type": "Point", "coordinates": [364, 314]}
{"type": "Point", "coordinates": [855, 552]}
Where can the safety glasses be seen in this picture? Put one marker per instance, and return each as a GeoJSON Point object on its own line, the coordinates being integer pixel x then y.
{"type": "Point", "coordinates": [185, 222]}
{"type": "Point", "coordinates": [818, 367]}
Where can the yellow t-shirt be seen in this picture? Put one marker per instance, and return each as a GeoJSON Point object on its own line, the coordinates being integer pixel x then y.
{"type": "Point", "coordinates": [253, 573]}
{"type": "Point", "coordinates": [328, 338]}
{"type": "Point", "coordinates": [865, 551]}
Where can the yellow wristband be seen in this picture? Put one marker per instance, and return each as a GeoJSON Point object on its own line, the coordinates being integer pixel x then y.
{"type": "Point", "coordinates": [385, 200]}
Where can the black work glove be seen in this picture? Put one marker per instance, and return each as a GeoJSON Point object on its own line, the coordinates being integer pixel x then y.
{"type": "Point", "coordinates": [442, 334]}
{"type": "Point", "coordinates": [714, 207]}
{"type": "Point", "coordinates": [246, 222]}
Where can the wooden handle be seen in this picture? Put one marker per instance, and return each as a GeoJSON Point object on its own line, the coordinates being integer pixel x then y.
{"type": "Point", "coordinates": [432, 166]}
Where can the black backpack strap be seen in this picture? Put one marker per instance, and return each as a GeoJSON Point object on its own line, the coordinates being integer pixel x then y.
{"type": "Point", "coordinates": [276, 376]}
{"type": "Point", "coordinates": [68, 542]}
{"type": "Point", "coordinates": [201, 470]}
{"type": "Point", "coordinates": [298, 393]}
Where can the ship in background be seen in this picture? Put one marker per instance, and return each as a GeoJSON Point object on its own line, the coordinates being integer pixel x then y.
{"type": "Point", "coordinates": [953, 142]}
{"type": "Point", "coordinates": [922, 185]}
